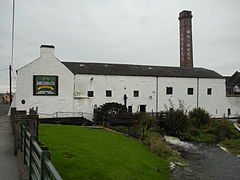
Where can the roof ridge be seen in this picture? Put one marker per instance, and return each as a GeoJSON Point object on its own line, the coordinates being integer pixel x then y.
{"type": "Point", "coordinates": [139, 70]}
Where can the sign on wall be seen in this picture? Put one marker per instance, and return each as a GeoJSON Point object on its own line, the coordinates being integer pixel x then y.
{"type": "Point", "coordinates": [45, 85]}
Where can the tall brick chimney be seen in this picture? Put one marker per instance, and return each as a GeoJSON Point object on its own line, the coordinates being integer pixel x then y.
{"type": "Point", "coordinates": [186, 50]}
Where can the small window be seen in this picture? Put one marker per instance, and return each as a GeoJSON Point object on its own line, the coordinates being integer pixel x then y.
{"type": "Point", "coordinates": [108, 93]}
{"type": "Point", "coordinates": [190, 91]}
{"type": "Point", "coordinates": [169, 90]}
{"type": "Point", "coordinates": [142, 108]}
{"type": "Point", "coordinates": [130, 109]}
{"type": "Point", "coordinates": [229, 111]}
{"type": "Point", "coordinates": [135, 93]}
{"type": "Point", "coordinates": [90, 93]}
{"type": "Point", "coordinates": [209, 91]}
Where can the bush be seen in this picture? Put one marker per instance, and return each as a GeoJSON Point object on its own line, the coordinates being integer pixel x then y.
{"type": "Point", "coordinates": [233, 145]}
{"type": "Point", "coordinates": [146, 125]}
{"type": "Point", "coordinates": [199, 117]}
{"type": "Point", "coordinates": [101, 113]}
{"type": "Point", "coordinates": [198, 135]}
{"type": "Point", "coordinates": [159, 147]}
{"type": "Point", "coordinates": [176, 122]}
{"type": "Point", "coordinates": [223, 129]}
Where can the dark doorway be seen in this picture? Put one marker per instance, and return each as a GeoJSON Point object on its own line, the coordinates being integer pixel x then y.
{"type": "Point", "coordinates": [130, 109]}
{"type": "Point", "coordinates": [142, 108]}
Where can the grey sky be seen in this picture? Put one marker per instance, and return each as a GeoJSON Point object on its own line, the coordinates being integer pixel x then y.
{"type": "Point", "coordinates": [121, 31]}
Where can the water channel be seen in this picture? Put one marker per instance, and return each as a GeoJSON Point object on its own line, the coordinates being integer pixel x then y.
{"type": "Point", "coordinates": [206, 162]}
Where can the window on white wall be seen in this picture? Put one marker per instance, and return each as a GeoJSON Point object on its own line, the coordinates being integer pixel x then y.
{"type": "Point", "coordinates": [90, 93]}
{"type": "Point", "coordinates": [108, 93]}
{"type": "Point", "coordinates": [169, 90]}
{"type": "Point", "coordinates": [190, 91]}
{"type": "Point", "coordinates": [135, 93]}
{"type": "Point", "coordinates": [229, 111]}
{"type": "Point", "coordinates": [209, 91]}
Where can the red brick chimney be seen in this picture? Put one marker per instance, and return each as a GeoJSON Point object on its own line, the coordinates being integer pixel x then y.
{"type": "Point", "coordinates": [186, 50]}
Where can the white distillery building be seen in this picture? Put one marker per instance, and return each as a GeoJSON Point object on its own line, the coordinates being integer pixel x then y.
{"type": "Point", "coordinates": [68, 88]}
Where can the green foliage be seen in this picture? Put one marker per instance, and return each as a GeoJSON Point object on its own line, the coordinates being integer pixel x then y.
{"type": "Point", "coordinates": [223, 129]}
{"type": "Point", "coordinates": [84, 153]}
{"type": "Point", "coordinates": [101, 113]}
{"type": "Point", "coordinates": [158, 146]}
{"type": "Point", "coordinates": [199, 117]}
{"type": "Point", "coordinates": [147, 124]}
{"type": "Point", "coordinates": [198, 135]}
{"type": "Point", "coordinates": [233, 145]}
{"type": "Point", "coordinates": [216, 130]}
{"type": "Point", "coordinates": [176, 122]}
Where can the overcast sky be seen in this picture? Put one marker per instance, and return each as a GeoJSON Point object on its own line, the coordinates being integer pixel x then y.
{"type": "Point", "coordinates": [120, 31]}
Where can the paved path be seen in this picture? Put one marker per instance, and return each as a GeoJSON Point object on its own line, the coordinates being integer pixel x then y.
{"type": "Point", "coordinates": [8, 162]}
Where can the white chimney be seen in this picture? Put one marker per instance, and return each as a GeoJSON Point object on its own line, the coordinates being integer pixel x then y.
{"type": "Point", "coordinates": [47, 50]}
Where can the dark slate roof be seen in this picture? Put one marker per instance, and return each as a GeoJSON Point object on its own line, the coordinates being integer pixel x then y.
{"type": "Point", "coordinates": [231, 82]}
{"type": "Point", "coordinates": [139, 70]}
{"type": "Point", "coordinates": [234, 79]}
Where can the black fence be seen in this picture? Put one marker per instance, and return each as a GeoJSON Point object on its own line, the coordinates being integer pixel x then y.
{"type": "Point", "coordinates": [78, 121]}
{"type": "Point", "coordinates": [130, 119]}
{"type": "Point", "coordinates": [124, 119]}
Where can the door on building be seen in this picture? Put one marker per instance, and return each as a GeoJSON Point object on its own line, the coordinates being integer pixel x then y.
{"type": "Point", "coordinates": [130, 109]}
{"type": "Point", "coordinates": [142, 108]}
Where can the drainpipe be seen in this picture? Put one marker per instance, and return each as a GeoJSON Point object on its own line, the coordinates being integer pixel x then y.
{"type": "Point", "coordinates": [197, 92]}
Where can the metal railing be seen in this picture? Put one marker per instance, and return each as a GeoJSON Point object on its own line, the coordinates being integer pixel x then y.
{"type": "Point", "coordinates": [37, 160]}
{"type": "Point", "coordinates": [60, 114]}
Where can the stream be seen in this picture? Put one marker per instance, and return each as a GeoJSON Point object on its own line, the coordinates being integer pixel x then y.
{"type": "Point", "coordinates": [206, 162]}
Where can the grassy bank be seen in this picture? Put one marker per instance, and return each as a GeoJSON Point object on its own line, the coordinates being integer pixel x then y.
{"type": "Point", "coordinates": [232, 145]}
{"type": "Point", "coordinates": [81, 153]}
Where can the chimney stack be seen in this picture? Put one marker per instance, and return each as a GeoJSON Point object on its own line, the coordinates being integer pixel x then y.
{"type": "Point", "coordinates": [47, 50]}
{"type": "Point", "coordinates": [186, 50]}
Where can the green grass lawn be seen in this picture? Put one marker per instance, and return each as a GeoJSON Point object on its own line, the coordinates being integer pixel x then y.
{"type": "Point", "coordinates": [82, 153]}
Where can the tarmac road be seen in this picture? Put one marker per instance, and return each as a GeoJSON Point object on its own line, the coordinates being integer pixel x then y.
{"type": "Point", "coordinates": [8, 162]}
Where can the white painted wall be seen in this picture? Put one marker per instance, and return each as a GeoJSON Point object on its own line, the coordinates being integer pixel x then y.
{"type": "Point", "coordinates": [180, 87]}
{"type": "Point", "coordinates": [119, 85]}
{"type": "Point", "coordinates": [215, 103]}
{"type": "Point", "coordinates": [47, 64]}
{"type": "Point", "coordinates": [234, 105]}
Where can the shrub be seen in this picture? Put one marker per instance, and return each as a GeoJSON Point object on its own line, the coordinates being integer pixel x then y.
{"type": "Point", "coordinates": [223, 129]}
{"type": "Point", "coordinates": [159, 147]}
{"type": "Point", "coordinates": [233, 145]}
{"type": "Point", "coordinates": [199, 135]}
{"type": "Point", "coordinates": [146, 125]}
{"type": "Point", "coordinates": [199, 117]}
{"type": "Point", "coordinates": [176, 122]}
{"type": "Point", "coordinates": [101, 113]}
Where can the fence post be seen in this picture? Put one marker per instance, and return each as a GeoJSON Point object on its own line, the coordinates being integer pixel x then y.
{"type": "Point", "coordinates": [21, 137]}
{"type": "Point", "coordinates": [45, 157]}
{"type": "Point", "coordinates": [24, 145]}
{"type": "Point", "coordinates": [30, 157]}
